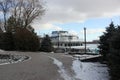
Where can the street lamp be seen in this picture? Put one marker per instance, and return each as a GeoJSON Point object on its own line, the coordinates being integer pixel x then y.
{"type": "Point", "coordinates": [58, 39]}
{"type": "Point", "coordinates": [69, 37]}
{"type": "Point", "coordinates": [85, 38]}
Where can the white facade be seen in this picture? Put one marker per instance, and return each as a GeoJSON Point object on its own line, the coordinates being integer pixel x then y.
{"type": "Point", "coordinates": [65, 40]}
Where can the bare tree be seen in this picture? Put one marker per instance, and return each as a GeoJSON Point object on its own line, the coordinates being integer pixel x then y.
{"type": "Point", "coordinates": [5, 6]}
{"type": "Point", "coordinates": [1, 26]}
{"type": "Point", "coordinates": [25, 11]}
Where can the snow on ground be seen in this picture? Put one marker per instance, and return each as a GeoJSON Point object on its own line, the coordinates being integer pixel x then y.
{"type": "Point", "coordinates": [64, 74]}
{"type": "Point", "coordinates": [90, 71]}
{"type": "Point", "coordinates": [82, 57]}
{"type": "Point", "coordinates": [83, 70]}
{"type": "Point", "coordinates": [16, 59]}
{"type": "Point", "coordinates": [1, 50]}
{"type": "Point", "coordinates": [77, 67]}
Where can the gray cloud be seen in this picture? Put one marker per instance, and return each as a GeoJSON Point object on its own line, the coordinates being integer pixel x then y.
{"type": "Point", "coordinates": [63, 11]}
{"type": "Point", "coordinates": [79, 10]}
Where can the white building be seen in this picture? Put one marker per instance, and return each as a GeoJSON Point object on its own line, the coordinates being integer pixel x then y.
{"type": "Point", "coordinates": [65, 41]}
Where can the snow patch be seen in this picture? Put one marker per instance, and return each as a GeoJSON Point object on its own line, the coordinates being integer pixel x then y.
{"type": "Point", "coordinates": [82, 57]}
{"type": "Point", "coordinates": [90, 71]}
{"type": "Point", "coordinates": [16, 59]}
{"type": "Point", "coordinates": [64, 74]}
{"type": "Point", "coordinates": [83, 70]}
{"type": "Point", "coordinates": [77, 67]}
{"type": "Point", "coordinates": [1, 50]}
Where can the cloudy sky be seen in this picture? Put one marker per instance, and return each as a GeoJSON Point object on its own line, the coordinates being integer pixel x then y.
{"type": "Point", "coordinates": [74, 15]}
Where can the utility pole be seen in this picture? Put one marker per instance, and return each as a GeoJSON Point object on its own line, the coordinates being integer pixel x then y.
{"type": "Point", "coordinates": [58, 39]}
{"type": "Point", "coordinates": [70, 38]}
{"type": "Point", "coordinates": [85, 38]}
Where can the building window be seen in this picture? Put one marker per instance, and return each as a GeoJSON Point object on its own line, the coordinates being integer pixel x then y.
{"type": "Point", "coordinates": [65, 44]}
{"type": "Point", "coordinates": [80, 44]}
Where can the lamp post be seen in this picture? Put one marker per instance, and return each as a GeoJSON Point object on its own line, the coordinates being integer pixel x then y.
{"type": "Point", "coordinates": [70, 37]}
{"type": "Point", "coordinates": [58, 39]}
{"type": "Point", "coordinates": [85, 38]}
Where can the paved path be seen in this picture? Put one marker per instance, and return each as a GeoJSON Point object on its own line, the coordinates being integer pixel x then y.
{"type": "Point", "coordinates": [52, 66]}
{"type": "Point", "coordinates": [39, 67]}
